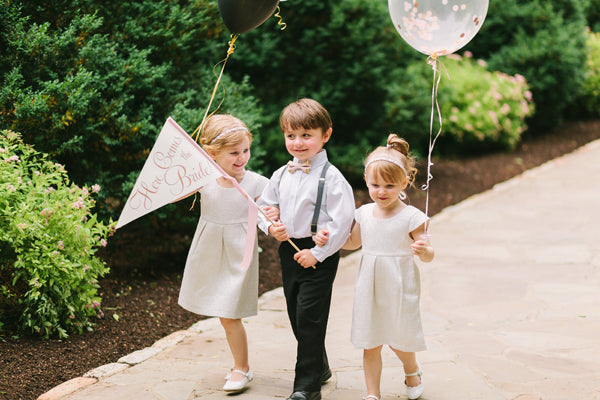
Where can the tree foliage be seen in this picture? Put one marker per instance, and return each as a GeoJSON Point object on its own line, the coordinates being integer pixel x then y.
{"type": "Point", "coordinates": [344, 54]}
{"type": "Point", "coordinates": [91, 83]}
{"type": "Point", "coordinates": [347, 55]}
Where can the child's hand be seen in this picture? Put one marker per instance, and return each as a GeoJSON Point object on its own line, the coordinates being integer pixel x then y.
{"type": "Point", "coordinates": [272, 212]}
{"type": "Point", "coordinates": [305, 258]}
{"type": "Point", "coordinates": [321, 238]}
{"type": "Point", "coordinates": [422, 248]}
{"type": "Point", "coordinates": [278, 231]}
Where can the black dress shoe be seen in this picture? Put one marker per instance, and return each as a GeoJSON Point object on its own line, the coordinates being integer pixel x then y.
{"type": "Point", "coordinates": [326, 376]}
{"type": "Point", "coordinates": [302, 395]}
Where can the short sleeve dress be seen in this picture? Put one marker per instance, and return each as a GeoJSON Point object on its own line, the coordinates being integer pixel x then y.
{"type": "Point", "coordinates": [214, 284]}
{"type": "Point", "coordinates": [387, 288]}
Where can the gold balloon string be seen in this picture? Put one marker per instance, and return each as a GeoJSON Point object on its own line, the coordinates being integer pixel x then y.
{"type": "Point", "coordinates": [280, 22]}
{"type": "Point", "coordinates": [196, 134]}
{"type": "Point", "coordinates": [433, 61]}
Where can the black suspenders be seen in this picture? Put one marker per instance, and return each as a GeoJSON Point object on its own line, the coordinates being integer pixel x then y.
{"type": "Point", "coordinates": [315, 219]}
{"type": "Point", "coordinates": [313, 225]}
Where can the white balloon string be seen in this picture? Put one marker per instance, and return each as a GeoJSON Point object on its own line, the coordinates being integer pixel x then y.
{"type": "Point", "coordinates": [437, 76]}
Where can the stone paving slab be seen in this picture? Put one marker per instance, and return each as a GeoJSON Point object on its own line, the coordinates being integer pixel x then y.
{"type": "Point", "coordinates": [510, 308]}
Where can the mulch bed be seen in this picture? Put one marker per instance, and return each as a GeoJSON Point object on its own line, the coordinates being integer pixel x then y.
{"type": "Point", "coordinates": [143, 287]}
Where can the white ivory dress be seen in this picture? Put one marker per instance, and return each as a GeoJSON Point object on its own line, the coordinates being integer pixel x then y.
{"type": "Point", "coordinates": [387, 289]}
{"type": "Point", "coordinates": [213, 282]}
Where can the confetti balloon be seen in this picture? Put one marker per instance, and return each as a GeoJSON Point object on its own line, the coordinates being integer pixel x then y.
{"type": "Point", "coordinates": [437, 27]}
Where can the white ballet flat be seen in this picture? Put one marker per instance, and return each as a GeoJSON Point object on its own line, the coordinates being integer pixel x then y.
{"type": "Point", "coordinates": [237, 386]}
{"type": "Point", "coordinates": [229, 374]}
{"type": "Point", "coordinates": [371, 396]}
{"type": "Point", "coordinates": [414, 392]}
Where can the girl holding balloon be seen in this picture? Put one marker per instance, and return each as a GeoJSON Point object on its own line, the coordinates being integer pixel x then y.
{"type": "Point", "coordinates": [387, 289]}
{"type": "Point", "coordinates": [386, 296]}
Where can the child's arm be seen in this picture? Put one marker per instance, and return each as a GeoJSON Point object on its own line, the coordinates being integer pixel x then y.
{"type": "Point", "coordinates": [305, 258]}
{"type": "Point", "coordinates": [279, 232]}
{"type": "Point", "coordinates": [354, 240]}
{"type": "Point", "coordinates": [321, 237]}
{"type": "Point", "coordinates": [421, 246]}
{"type": "Point", "coordinates": [272, 212]}
{"type": "Point", "coordinates": [339, 207]}
{"type": "Point", "coordinates": [269, 198]}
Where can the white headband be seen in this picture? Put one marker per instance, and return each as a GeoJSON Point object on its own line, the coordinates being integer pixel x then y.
{"type": "Point", "coordinates": [237, 128]}
{"type": "Point", "coordinates": [391, 160]}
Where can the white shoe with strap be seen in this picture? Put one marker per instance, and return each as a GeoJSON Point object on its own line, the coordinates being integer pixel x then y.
{"type": "Point", "coordinates": [237, 386]}
{"type": "Point", "coordinates": [414, 392]}
{"type": "Point", "coordinates": [371, 396]}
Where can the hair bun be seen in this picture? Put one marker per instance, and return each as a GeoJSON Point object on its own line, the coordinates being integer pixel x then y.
{"type": "Point", "coordinates": [398, 144]}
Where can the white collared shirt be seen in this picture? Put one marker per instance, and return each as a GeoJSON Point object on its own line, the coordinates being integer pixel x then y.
{"type": "Point", "coordinates": [296, 193]}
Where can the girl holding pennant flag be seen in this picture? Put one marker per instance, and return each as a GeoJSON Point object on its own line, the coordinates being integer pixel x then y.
{"type": "Point", "coordinates": [213, 282]}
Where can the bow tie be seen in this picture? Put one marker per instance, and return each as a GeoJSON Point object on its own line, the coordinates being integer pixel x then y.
{"type": "Point", "coordinates": [303, 166]}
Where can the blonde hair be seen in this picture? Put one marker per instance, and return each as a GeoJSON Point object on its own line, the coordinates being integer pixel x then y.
{"type": "Point", "coordinates": [305, 113]}
{"type": "Point", "coordinates": [223, 130]}
{"type": "Point", "coordinates": [392, 163]}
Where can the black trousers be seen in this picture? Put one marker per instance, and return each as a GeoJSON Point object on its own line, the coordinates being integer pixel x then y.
{"type": "Point", "coordinates": [308, 297]}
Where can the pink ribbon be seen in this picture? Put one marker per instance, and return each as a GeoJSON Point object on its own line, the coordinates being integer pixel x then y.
{"type": "Point", "coordinates": [252, 206]}
{"type": "Point", "coordinates": [252, 223]}
{"type": "Point", "coordinates": [250, 235]}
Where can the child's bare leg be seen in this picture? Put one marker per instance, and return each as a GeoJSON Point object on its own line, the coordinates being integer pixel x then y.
{"type": "Point", "coordinates": [409, 361]}
{"type": "Point", "coordinates": [238, 344]}
{"type": "Point", "coordinates": [372, 366]}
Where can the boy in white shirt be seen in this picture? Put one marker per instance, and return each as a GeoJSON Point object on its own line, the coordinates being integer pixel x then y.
{"type": "Point", "coordinates": [310, 193]}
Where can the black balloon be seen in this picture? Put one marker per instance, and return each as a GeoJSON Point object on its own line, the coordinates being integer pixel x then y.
{"type": "Point", "coordinates": [241, 16]}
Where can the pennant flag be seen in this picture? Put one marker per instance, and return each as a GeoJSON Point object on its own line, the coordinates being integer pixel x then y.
{"type": "Point", "coordinates": [176, 167]}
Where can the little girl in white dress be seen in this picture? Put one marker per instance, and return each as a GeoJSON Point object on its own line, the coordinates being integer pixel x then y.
{"type": "Point", "coordinates": [214, 283]}
{"type": "Point", "coordinates": [387, 290]}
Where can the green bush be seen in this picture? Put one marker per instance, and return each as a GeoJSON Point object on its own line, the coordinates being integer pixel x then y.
{"type": "Point", "coordinates": [408, 106]}
{"type": "Point", "coordinates": [48, 237]}
{"type": "Point", "coordinates": [592, 14]}
{"type": "Point", "coordinates": [588, 103]}
{"type": "Point", "coordinates": [543, 41]}
{"type": "Point", "coordinates": [481, 110]}
{"type": "Point", "coordinates": [92, 82]}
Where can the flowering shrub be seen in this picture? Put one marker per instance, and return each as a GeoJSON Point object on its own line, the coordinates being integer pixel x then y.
{"type": "Point", "coordinates": [481, 108]}
{"type": "Point", "coordinates": [589, 100]}
{"type": "Point", "coordinates": [48, 237]}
